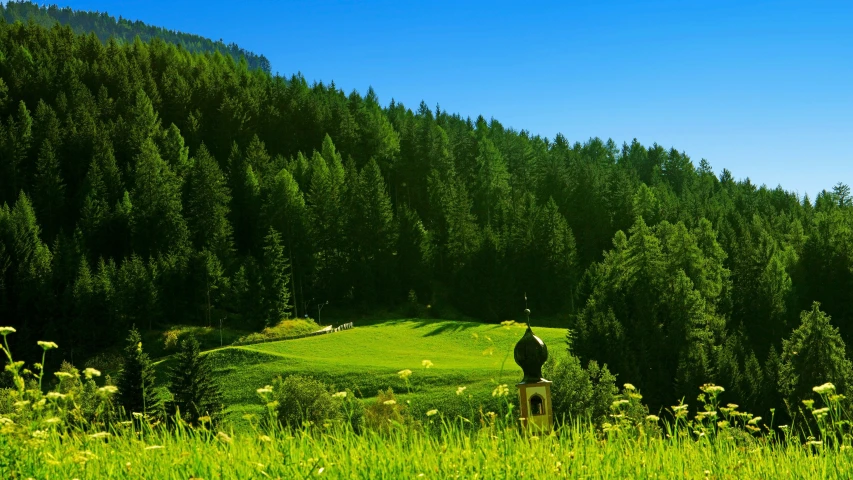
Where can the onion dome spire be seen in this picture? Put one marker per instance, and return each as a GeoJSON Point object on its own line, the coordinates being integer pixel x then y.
{"type": "Point", "coordinates": [530, 354]}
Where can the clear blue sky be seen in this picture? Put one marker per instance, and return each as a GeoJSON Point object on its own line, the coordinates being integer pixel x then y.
{"type": "Point", "coordinates": [762, 88]}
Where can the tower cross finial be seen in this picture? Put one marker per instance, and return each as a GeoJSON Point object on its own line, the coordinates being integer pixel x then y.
{"type": "Point", "coordinates": [526, 310]}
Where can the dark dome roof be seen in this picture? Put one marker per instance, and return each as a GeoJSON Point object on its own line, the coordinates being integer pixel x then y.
{"type": "Point", "coordinates": [530, 354]}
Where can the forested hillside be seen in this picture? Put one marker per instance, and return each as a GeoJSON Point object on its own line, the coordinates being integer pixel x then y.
{"type": "Point", "coordinates": [105, 27]}
{"type": "Point", "coordinates": [145, 185]}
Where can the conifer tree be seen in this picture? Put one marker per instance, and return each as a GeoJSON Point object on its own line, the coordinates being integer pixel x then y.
{"type": "Point", "coordinates": [206, 200]}
{"type": "Point", "coordinates": [192, 383]}
{"type": "Point", "coordinates": [275, 277]}
{"type": "Point", "coordinates": [158, 225]}
{"type": "Point", "coordinates": [173, 151]}
{"type": "Point", "coordinates": [814, 354]}
{"type": "Point", "coordinates": [136, 384]}
{"type": "Point", "coordinates": [49, 194]}
{"type": "Point", "coordinates": [284, 209]}
{"type": "Point", "coordinates": [372, 234]}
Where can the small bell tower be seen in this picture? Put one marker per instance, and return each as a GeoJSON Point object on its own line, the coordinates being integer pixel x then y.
{"type": "Point", "coordinates": [534, 392]}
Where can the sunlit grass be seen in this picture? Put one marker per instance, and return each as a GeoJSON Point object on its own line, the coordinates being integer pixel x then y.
{"type": "Point", "coordinates": [367, 358]}
{"type": "Point", "coordinates": [492, 452]}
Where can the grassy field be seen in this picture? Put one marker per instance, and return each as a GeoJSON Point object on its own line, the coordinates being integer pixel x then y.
{"type": "Point", "coordinates": [491, 453]}
{"type": "Point", "coordinates": [367, 358]}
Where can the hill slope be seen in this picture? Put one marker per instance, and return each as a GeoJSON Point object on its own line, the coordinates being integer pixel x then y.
{"type": "Point", "coordinates": [106, 27]}
{"type": "Point", "coordinates": [367, 358]}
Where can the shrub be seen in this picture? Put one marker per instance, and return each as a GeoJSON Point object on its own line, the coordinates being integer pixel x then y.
{"type": "Point", "coordinates": [304, 400]}
{"type": "Point", "coordinates": [579, 394]}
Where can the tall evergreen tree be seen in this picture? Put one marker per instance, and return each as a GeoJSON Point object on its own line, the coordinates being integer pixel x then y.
{"type": "Point", "coordinates": [206, 199]}
{"type": "Point", "coordinates": [814, 354]}
{"type": "Point", "coordinates": [195, 391]}
{"type": "Point", "coordinates": [158, 223]}
{"type": "Point", "coordinates": [137, 392]}
{"type": "Point", "coordinates": [49, 192]}
{"type": "Point", "coordinates": [276, 277]}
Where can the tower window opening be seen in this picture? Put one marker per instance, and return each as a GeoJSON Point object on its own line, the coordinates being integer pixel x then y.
{"type": "Point", "coordinates": [537, 406]}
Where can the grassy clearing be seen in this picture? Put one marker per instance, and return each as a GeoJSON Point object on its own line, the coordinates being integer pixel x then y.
{"type": "Point", "coordinates": [367, 358]}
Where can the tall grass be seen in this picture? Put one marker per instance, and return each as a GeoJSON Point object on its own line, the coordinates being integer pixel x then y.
{"type": "Point", "coordinates": [492, 452]}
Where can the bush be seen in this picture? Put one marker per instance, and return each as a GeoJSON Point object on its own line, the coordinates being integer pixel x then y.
{"type": "Point", "coordinates": [578, 394]}
{"type": "Point", "coordinates": [304, 400]}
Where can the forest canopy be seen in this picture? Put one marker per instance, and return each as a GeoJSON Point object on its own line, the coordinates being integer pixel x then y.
{"type": "Point", "coordinates": [145, 184]}
{"type": "Point", "coordinates": [122, 29]}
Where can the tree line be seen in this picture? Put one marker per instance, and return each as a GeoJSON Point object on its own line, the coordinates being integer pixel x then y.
{"type": "Point", "coordinates": [146, 185]}
{"type": "Point", "coordinates": [105, 27]}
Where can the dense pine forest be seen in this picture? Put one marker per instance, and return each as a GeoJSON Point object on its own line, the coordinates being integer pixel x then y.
{"type": "Point", "coordinates": [124, 30]}
{"type": "Point", "coordinates": [142, 184]}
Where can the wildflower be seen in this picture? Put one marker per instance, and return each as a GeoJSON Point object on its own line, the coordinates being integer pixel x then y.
{"type": "Point", "coordinates": [100, 435]}
{"type": "Point", "coordinates": [426, 363]}
{"type": "Point", "coordinates": [265, 438]}
{"type": "Point", "coordinates": [340, 395]}
{"type": "Point", "coordinates": [39, 434]}
{"type": "Point", "coordinates": [820, 412]}
{"type": "Point", "coordinates": [138, 415]}
{"type": "Point", "coordinates": [404, 374]}
{"type": "Point", "coordinates": [629, 387]}
{"type": "Point", "coordinates": [500, 391]}
{"type": "Point", "coordinates": [265, 390]}
{"type": "Point", "coordinates": [809, 404]}
{"type": "Point", "coordinates": [52, 420]}
{"type": "Point", "coordinates": [618, 403]}
{"type": "Point", "coordinates": [204, 419]}
{"type": "Point", "coordinates": [712, 389]}
{"type": "Point", "coordinates": [390, 402]}
{"type": "Point", "coordinates": [652, 418]}
{"type": "Point", "coordinates": [108, 389]}
{"type": "Point", "coordinates": [733, 406]}
{"type": "Point", "coordinates": [824, 389]}
{"type": "Point", "coordinates": [223, 437]}
{"type": "Point", "coordinates": [55, 395]}
{"type": "Point", "coordinates": [91, 372]}
{"type": "Point", "coordinates": [47, 345]}
{"type": "Point", "coordinates": [816, 443]}
{"type": "Point", "coordinates": [21, 403]}
{"type": "Point", "coordinates": [6, 330]}
{"type": "Point", "coordinates": [431, 412]}
{"type": "Point", "coordinates": [754, 421]}
{"type": "Point", "coordinates": [6, 421]}
{"type": "Point", "coordinates": [677, 408]}
{"type": "Point", "coordinates": [63, 375]}
{"type": "Point", "coordinates": [460, 390]}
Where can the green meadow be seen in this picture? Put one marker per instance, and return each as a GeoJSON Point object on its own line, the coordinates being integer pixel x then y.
{"type": "Point", "coordinates": [369, 357]}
